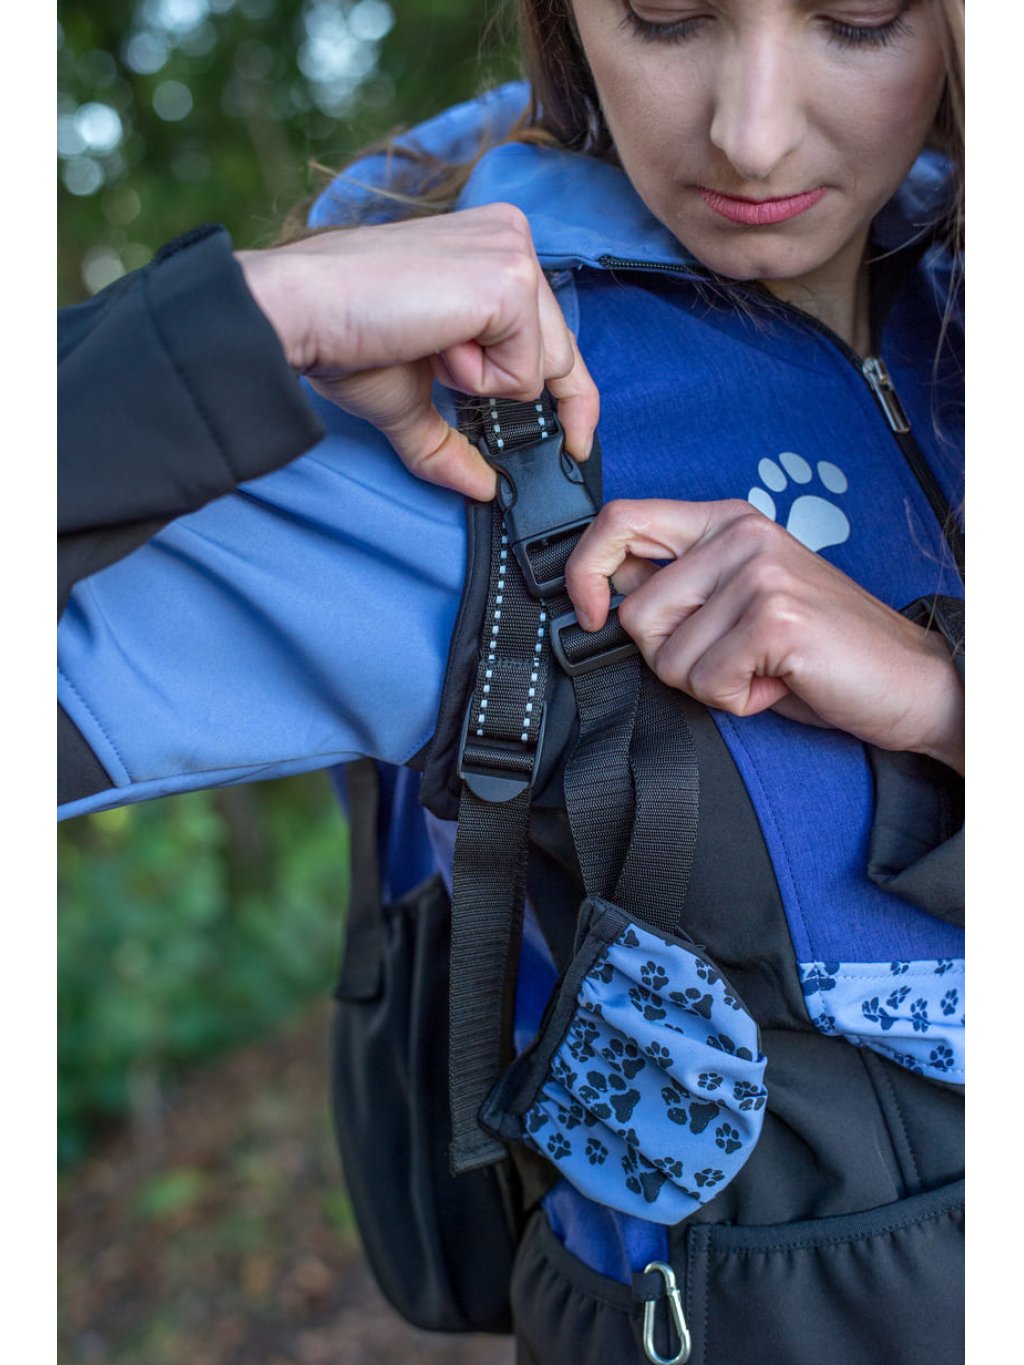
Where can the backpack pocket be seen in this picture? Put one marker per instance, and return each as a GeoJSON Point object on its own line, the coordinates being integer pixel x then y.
{"type": "Point", "coordinates": [857, 1289]}
{"type": "Point", "coordinates": [441, 1247]}
{"type": "Point", "coordinates": [644, 1086]}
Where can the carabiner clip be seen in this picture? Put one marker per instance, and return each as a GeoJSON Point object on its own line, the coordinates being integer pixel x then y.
{"type": "Point", "coordinates": [678, 1318]}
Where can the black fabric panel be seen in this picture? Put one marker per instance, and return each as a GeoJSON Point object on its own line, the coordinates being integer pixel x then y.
{"type": "Point", "coordinates": [172, 389]}
{"type": "Point", "coordinates": [925, 1119]}
{"type": "Point", "coordinates": [916, 847]}
{"type": "Point", "coordinates": [79, 771]}
{"type": "Point", "coordinates": [829, 1145]}
{"type": "Point", "coordinates": [885, 1285]}
{"type": "Point", "coordinates": [360, 975]}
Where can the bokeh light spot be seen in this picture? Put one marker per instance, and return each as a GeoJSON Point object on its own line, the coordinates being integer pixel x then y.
{"type": "Point", "coordinates": [172, 101]}
{"type": "Point", "coordinates": [70, 141]}
{"type": "Point", "coordinates": [121, 206]}
{"type": "Point", "coordinates": [99, 127]}
{"type": "Point", "coordinates": [82, 175]}
{"type": "Point", "coordinates": [101, 265]}
{"type": "Point", "coordinates": [145, 53]}
{"type": "Point", "coordinates": [371, 20]}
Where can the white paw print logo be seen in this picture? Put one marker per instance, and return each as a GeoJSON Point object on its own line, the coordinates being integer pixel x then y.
{"type": "Point", "coordinates": [813, 520]}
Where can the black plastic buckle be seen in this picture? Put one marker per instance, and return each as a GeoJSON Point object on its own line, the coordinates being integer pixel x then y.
{"type": "Point", "coordinates": [602, 659]}
{"type": "Point", "coordinates": [543, 497]}
{"type": "Point", "coordinates": [487, 780]}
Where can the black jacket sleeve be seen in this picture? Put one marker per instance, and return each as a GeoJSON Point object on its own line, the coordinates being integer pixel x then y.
{"type": "Point", "coordinates": [916, 846]}
{"type": "Point", "coordinates": [172, 389]}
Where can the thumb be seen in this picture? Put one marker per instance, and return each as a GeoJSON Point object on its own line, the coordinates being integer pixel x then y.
{"type": "Point", "coordinates": [434, 450]}
{"type": "Point", "coordinates": [398, 400]}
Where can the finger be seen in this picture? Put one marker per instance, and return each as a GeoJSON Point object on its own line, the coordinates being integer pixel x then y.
{"type": "Point", "coordinates": [435, 451]}
{"type": "Point", "coordinates": [707, 636]}
{"type": "Point", "coordinates": [648, 529]}
{"type": "Point", "coordinates": [725, 676]}
{"type": "Point", "coordinates": [399, 403]}
{"type": "Point", "coordinates": [579, 403]}
{"type": "Point", "coordinates": [632, 574]}
{"type": "Point", "coordinates": [795, 708]}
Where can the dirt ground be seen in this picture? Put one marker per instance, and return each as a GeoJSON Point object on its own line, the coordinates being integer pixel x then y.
{"type": "Point", "coordinates": [221, 1235]}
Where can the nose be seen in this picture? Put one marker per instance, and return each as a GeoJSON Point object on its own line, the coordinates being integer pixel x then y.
{"type": "Point", "coordinates": [758, 118]}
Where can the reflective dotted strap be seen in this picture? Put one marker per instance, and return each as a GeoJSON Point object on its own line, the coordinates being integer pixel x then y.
{"type": "Point", "coordinates": [501, 745]}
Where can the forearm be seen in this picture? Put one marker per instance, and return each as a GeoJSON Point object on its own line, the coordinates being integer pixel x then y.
{"type": "Point", "coordinates": [173, 389]}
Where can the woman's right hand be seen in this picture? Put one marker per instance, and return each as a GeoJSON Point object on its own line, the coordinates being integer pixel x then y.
{"type": "Point", "coordinates": [372, 316]}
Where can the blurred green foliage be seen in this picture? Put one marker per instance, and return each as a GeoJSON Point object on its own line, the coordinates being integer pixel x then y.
{"type": "Point", "coordinates": [188, 926]}
{"type": "Point", "coordinates": [178, 112]}
{"type": "Point", "coordinates": [193, 924]}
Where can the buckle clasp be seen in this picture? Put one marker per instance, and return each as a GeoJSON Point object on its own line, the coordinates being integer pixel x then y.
{"type": "Point", "coordinates": [544, 498]}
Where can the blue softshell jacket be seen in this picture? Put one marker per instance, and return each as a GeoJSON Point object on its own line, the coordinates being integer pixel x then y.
{"type": "Point", "coordinates": [303, 618]}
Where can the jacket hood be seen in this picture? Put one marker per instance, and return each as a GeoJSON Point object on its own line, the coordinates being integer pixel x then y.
{"type": "Point", "coordinates": [581, 211]}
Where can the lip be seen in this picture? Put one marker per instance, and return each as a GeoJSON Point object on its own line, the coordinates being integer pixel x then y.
{"type": "Point", "coordinates": [760, 212]}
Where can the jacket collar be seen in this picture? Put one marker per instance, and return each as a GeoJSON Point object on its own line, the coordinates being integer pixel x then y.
{"type": "Point", "coordinates": [582, 211]}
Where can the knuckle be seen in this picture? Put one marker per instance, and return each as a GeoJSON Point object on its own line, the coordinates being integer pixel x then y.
{"type": "Point", "coordinates": [510, 217]}
{"type": "Point", "coordinates": [617, 517]}
{"type": "Point", "coordinates": [763, 578]}
{"type": "Point", "coordinates": [516, 272]}
{"type": "Point", "coordinates": [752, 528]}
{"type": "Point", "coordinates": [631, 615]}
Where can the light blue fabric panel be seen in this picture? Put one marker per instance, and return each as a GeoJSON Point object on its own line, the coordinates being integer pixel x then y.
{"type": "Point", "coordinates": [300, 621]}
{"type": "Point", "coordinates": [910, 1012]}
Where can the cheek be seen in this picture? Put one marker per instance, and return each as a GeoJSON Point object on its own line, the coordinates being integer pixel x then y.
{"type": "Point", "coordinates": [656, 118]}
{"type": "Point", "coordinates": [889, 119]}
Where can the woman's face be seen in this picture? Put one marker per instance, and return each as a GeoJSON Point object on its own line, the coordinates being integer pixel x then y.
{"type": "Point", "coordinates": [766, 134]}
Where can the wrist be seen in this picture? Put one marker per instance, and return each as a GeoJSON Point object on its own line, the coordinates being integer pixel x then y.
{"type": "Point", "coordinates": [264, 273]}
{"type": "Point", "coordinates": [943, 738]}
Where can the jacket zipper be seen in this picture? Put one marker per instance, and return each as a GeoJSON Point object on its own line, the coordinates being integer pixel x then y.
{"type": "Point", "coordinates": [876, 374]}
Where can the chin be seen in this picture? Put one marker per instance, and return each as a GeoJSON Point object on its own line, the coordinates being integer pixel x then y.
{"type": "Point", "coordinates": [762, 261]}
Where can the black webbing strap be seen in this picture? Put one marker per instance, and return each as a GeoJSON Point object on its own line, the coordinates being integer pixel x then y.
{"type": "Point", "coordinates": [630, 782]}
{"type": "Point", "coordinates": [502, 736]}
{"type": "Point", "coordinates": [634, 756]}
{"type": "Point", "coordinates": [501, 743]}
{"type": "Point", "coordinates": [360, 976]}
{"type": "Point", "coordinates": [656, 872]}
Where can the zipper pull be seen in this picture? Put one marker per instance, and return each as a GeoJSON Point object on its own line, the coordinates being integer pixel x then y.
{"type": "Point", "coordinates": [880, 383]}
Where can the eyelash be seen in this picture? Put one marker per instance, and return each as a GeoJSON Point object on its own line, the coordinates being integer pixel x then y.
{"type": "Point", "coordinates": [843, 35]}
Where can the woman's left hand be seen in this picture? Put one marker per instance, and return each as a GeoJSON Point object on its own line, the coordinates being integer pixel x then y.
{"type": "Point", "coordinates": [744, 618]}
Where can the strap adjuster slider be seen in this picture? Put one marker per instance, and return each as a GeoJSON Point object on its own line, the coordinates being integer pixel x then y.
{"type": "Point", "coordinates": [498, 770]}
{"type": "Point", "coordinates": [577, 661]}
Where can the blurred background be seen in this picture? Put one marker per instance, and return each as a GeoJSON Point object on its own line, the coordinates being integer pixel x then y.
{"type": "Point", "coordinates": [203, 1219]}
